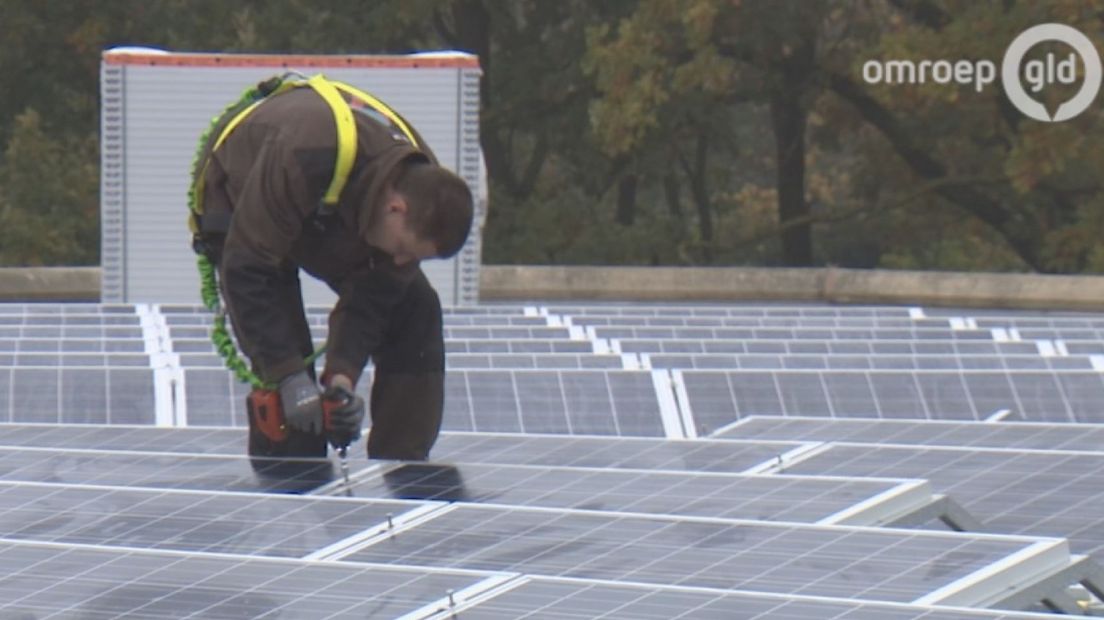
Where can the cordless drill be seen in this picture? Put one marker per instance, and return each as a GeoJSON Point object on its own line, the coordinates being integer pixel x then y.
{"type": "Point", "coordinates": [342, 414]}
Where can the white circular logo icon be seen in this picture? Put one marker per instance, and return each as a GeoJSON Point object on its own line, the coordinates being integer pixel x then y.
{"type": "Point", "coordinates": [1013, 85]}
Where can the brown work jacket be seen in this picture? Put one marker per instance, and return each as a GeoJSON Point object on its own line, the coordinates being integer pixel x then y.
{"type": "Point", "coordinates": [272, 171]}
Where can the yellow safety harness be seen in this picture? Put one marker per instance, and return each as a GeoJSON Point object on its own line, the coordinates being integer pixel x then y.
{"type": "Point", "coordinates": [334, 94]}
{"type": "Point", "coordinates": [331, 92]}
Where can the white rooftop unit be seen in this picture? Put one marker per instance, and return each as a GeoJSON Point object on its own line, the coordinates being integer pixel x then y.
{"type": "Point", "coordinates": [156, 104]}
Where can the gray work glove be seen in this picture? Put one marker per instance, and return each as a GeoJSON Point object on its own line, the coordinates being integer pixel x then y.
{"type": "Point", "coordinates": [301, 402]}
{"type": "Point", "coordinates": [344, 415]}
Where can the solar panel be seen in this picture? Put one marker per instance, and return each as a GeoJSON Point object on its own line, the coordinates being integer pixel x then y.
{"type": "Point", "coordinates": [838, 561]}
{"type": "Point", "coordinates": [602, 402]}
{"type": "Point", "coordinates": [626, 452]}
{"type": "Point", "coordinates": [229, 441]}
{"type": "Point", "coordinates": [169, 526]}
{"type": "Point", "coordinates": [100, 582]}
{"type": "Point", "coordinates": [214, 397]}
{"type": "Point", "coordinates": [95, 345]}
{"type": "Point", "coordinates": [318, 332]}
{"type": "Point", "coordinates": [788, 333]}
{"type": "Point", "coordinates": [193, 345]}
{"type": "Point", "coordinates": [252, 524]}
{"type": "Point", "coordinates": [1072, 333]}
{"type": "Point", "coordinates": [1010, 313]}
{"type": "Point", "coordinates": [1032, 436]}
{"type": "Point", "coordinates": [864, 362]}
{"type": "Point", "coordinates": [1087, 321]}
{"type": "Point", "coordinates": [534, 361]}
{"type": "Point", "coordinates": [113, 395]}
{"type": "Point", "coordinates": [574, 599]}
{"type": "Point", "coordinates": [73, 359]}
{"type": "Point", "coordinates": [611, 402]}
{"type": "Point", "coordinates": [534, 345]}
{"type": "Point", "coordinates": [453, 346]}
{"type": "Point", "coordinates": [296, 526]}
{"type": "Point", "coordinates": [176, 310]}
{"type": "Point", "coordinates": [718, 398]}
{"type": "Point", "coordinates": [68, 319]}
{"type": "Point", "coordinates": [826, 347]}
{"type": "Point", "coordinates": [733, 496]}
{"type": "Point", "coordinates": [730, 310]}
{"type": "Point", "coordinates": [536, 327]}
{"type": "Point", "coordinates": [495, 320]}
{"type": "Point", "coordinates": [75, 308]}
{"type": "Point", "coordinates": [765, 322]}
{"type": "Point", "coordinates": [50, 580]}
{"type": "Point", "coordinates": [70, 331]}
{"type": "Point", "coordinates": [1048, 493]}
{"type": "Point", "coordinates": [321, 320]}
{"type": "Point", "coordinates": [506, 333]}
{"type": "Point", "coordinates": [485, 308]}
{"type": "Point", "coordinates": [203, 332]}
{"type": "Point", "coordinates": [163, 470]}
{"type": "Point", "coordinates": [200, 316]}
{"type": "Point", "coordinates": [453, 361]}
{"type": "Point", "coordinates": [502, 449]}
{"type": "Point", "coordinates": [1083, 347]}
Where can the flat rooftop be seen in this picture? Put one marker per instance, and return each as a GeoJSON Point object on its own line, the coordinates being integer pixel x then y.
{"type": "Point", "coordinates": [597, 460]}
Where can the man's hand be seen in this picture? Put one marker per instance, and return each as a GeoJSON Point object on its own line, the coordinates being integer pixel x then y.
{"type": "Point", "coordinates": [301, 402]}
{"type": "Point", "coordinates": [344, 412]}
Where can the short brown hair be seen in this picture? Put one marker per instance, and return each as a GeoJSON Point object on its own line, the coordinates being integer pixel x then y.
{"type": "Point", "coordinates": [440, 207]}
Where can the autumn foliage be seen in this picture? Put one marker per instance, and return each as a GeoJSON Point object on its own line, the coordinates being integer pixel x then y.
{"type": "Point", "coordinates": [675, 132]}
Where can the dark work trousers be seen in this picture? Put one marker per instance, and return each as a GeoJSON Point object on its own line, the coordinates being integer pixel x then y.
{"type": "Point", "coordinates": [298, 443]}
{"type": "Point", "coordinates": [408, 385]}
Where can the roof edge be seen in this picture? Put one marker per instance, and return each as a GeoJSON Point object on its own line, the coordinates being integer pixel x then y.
{"type": "Point", "coordinates": [155, 57]}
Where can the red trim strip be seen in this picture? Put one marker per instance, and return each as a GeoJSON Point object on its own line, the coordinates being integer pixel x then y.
{"type": "Point", "coordinates": [287, 61]}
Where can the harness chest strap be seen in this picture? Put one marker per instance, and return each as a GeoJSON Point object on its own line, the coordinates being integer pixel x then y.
{"type": "Point", "coordinates": [343, 121]}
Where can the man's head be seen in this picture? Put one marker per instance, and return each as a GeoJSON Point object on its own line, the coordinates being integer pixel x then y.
{"type": "Point", "coordinates": [426, 212]}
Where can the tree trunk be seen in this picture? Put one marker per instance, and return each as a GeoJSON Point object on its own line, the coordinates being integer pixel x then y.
{"type": "Point", "coordinates": [626, 200]}
{"type": "Point", "coordinates": [699, 190]}
{"type": "Point", "coordinates": [671, 192]}
{"type": "Point", "coordinates": [472, 31]}
{"type": "Point", "coordinates": [788, 118]}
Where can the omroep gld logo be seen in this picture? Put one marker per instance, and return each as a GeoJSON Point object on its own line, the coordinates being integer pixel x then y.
{"type": "Point", "coordinates": [1037, 73]}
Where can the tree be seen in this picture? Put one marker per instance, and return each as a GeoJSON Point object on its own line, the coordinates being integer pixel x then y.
{"type": "Point", "coordinates": [637, 131]}
{"type": "Point", "coordinates": [1032, 185]}
{"type": "Point", "coordinates": [49, 205]}
{"type": "Point", "coordinates": [673, 71]}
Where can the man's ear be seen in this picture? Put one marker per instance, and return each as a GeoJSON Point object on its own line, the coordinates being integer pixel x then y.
{"type": "Point", "coordinates": [396, 203]}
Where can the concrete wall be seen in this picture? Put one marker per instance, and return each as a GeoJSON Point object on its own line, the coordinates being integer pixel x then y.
{"type": "Point", "coordinates": [49, 284]}
{"type": "Point", "coordinates": [717, 284]}
{"type": "Point", "coordinates": [833, 285]}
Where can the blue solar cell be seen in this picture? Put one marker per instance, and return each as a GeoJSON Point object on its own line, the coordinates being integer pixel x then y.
{"type": "Point", "coordinates": [130, 396]}
{"type": "Point", "coordinates": [84, 399]}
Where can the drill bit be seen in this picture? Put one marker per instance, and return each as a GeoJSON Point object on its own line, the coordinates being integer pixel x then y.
{"type": "Point", "coordinates": [343, 454]}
